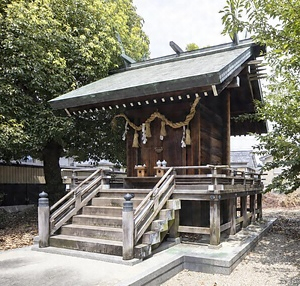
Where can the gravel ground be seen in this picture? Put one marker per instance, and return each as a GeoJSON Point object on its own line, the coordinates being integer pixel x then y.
{"type": "Point", "coordinates": [274, 261]}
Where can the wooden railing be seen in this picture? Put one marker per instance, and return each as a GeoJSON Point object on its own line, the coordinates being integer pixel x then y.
{"type": "Point", "coordinates": [74, 200]}
{"type": "Point", "coordinates": [149, 208]}
{"type": "Point", "coordinates": [215, 175]}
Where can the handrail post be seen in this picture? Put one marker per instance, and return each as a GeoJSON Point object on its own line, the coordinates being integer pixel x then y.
{"type": "Point", "coordinates": [128, 228]}
{"type": "Point", "coordinates": [43, 220]}
{"type": "Point", "coordinates": [73, 180]}
{"type": "Point", "coordinates": [105, 180]}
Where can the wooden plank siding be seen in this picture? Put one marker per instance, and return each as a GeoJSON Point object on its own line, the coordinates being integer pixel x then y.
{"type": "Point", "coordinates": [214, 122]}
{"type": "Point", "coordinates": [21, 175]}
{"type": "Point", "coordinates": [26, 174]}
{"type": "Point", "coordinates": [171, 150]}
{"type": "Point", "coordinates": [210, 135]}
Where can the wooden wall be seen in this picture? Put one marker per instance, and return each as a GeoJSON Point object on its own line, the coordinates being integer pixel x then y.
{"type": "Point", "coordinates": [21, 175]}
{"type": "Point", "coordinates": [168, 149]}
{"type": "Point", "coordinates": [210, 134]}
{"type": "Point", "coordinates": [215, 129]}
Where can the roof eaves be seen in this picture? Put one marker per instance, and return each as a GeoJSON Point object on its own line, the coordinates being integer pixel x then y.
{"type": "Point", "coordinates": [229, 69]}
{"type": "Point", "coordinates": [131, 93]}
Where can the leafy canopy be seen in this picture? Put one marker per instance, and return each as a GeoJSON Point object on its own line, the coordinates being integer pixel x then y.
{"type": "Point", "coordinates": [49, 47]}
{"type": "Point", "coordinates": [277, 25]}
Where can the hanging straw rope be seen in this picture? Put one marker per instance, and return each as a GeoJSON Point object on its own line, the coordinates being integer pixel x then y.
{"type": "Point", "coordinates": [156, 114]}
{"type": "Point", "coordinates": [188, 136]}
{"type": "Point", "coordinates": [135, 143]}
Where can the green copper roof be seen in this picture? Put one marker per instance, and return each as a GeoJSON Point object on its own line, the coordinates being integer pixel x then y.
{"type": "Point", "coordinates": [201, 68]}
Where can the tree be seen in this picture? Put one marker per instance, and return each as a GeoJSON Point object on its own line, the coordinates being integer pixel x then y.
{"type": "Point", "coordinates": [11, 138]}
{"type": "Point", "coordinates": [49, 47]}
{"type": "Point", "coordinates": [232, 18]}
{"type": "Point", "coordinates": [191, 47]}
{"type": "Point", "coordinates": [277, 25]}
{"type": "Point", "coordinates": [106, 141]}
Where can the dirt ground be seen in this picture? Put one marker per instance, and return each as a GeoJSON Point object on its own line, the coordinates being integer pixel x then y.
{"type": "Point", "coordinates": [18, 229]}
{"type": "Point", "coordinates": [274, 261]}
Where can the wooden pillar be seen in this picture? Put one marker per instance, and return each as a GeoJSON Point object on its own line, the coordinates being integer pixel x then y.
{"type": "Point", "coordinates": [259, 206]}
{"type": "Point", "coordinates": [244, 211]}
{"type": "Point", "coordinates": [215, 230]}
{"type": "Point", "coordinates": [173, 231]}
{"type": "Point", "coordinates": [252, 208]}
{"type": "Point", "coordinates": [232, 215]}
{"type": "Point", "coordinates": [227, 130]}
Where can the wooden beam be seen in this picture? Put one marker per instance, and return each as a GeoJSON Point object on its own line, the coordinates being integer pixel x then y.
{"type": "Point", "coordinates": [174, 229]}
{"type": "Point", "coordinates": [244, 211]}
{"type": "Point", "coordinates": [239, 219]}
{"type": "Point", "coordinates": [232, 215]}
{"type": "Point", "coordinates": [225, 226]}
{"type": "Point", "coordinates": [252, 208]}
{"type": "Point", "coordinates": [259, 205]}
{"type": "Point", "coordinates": [194, 229]}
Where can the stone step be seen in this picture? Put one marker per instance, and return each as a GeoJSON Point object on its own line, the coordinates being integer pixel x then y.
{"type": "Point", "coordinates": [87, 244]}
{"type": "Point", "coordinates": [102, 232]}
{"type": "Point", "coordinates": [102, 211]}
{"type": "Point", "coordinates": [115, 202]}
{"type": "Point", "coordinates": [97, 220]}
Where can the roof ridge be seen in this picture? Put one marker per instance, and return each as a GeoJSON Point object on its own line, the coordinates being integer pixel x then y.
{"type": "Point", "coordinates": [186, 55]}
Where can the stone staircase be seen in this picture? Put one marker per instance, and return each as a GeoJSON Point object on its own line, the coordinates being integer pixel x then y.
{"type": "Point", "coordinates": [98, 228]}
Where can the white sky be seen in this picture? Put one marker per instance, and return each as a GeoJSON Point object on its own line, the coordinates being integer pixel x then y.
{"type": "Point", "coordinates": [181, 21]}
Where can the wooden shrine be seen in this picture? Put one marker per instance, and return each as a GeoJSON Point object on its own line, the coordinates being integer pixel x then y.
{"type": "Point", "coordinates": [182, 110]}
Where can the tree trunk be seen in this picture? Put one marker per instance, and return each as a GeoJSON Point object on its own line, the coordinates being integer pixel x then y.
{"type": "Point", "coordinates": [54, 185]}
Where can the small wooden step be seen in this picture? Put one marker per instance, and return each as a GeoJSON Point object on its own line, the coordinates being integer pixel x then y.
{"type": "Point", "coordinates": [87, 244]}
{"type": "Point", "coordinates": [97, 220]}
{"type": "Point", "coordinates": [166, 214]}
{"type": "Point", "coordinates": [102, 232]}
{"type": "Point", "coordinates": [151, 237]}
{"type": "Point", "coordinates": [159, 225]}
{"type": "Point", "coordinates": [98, 228]}
{"type": "Point", "coordinates": [96, 245]}
{"type": "Point", "coordinates": [115, 202]}
{"type": "Point", "coordinates": [102, 210]}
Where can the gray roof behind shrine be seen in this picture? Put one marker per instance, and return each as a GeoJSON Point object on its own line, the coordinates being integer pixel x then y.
{"type": "Point", "coordinates": [198, 69]}
{"type": "Point", "coordinates": [243, 158]}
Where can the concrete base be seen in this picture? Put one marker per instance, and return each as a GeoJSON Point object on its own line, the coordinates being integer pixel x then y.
{"type": "Point", "coordinates": [163, 265]}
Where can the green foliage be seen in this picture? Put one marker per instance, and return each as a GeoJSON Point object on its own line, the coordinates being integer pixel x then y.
{"type": "Point", "coordinates": [233, 14]}
{"type": "Point", "coordinates": [191, 47]}
{"type": "Point", "coordinates": [11, 138]}
{"type": "Point", "coordinates": [106, 141]}
{"type": "Point", "coordinates": [283, 141]}
{"type": "Point", "coordinates": [48, 48]}
{"type": "Point", "coordinates": [277, 25]}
